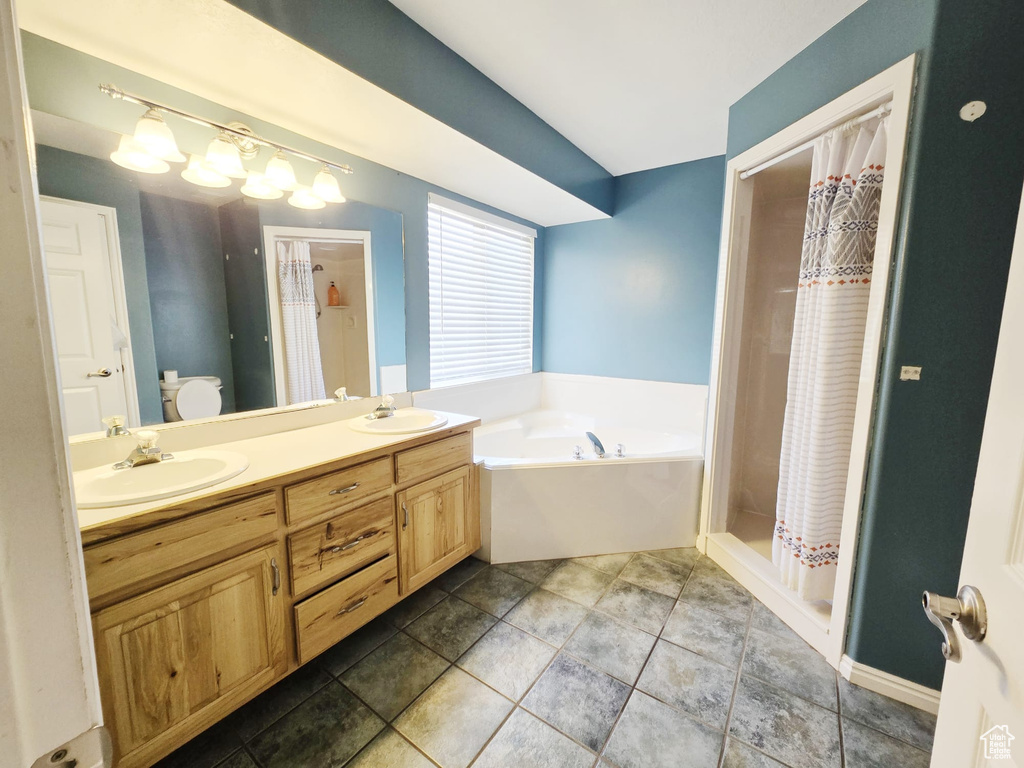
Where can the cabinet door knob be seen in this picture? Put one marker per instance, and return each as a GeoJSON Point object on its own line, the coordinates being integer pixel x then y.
{"type": "Point", "coordinates": [277, 576]}
{"type": "Point", "coordinates": [339, 491]}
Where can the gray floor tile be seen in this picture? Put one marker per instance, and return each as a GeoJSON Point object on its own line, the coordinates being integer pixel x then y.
{"type": "Point", "coordinates": [899, 720]}
{"type": "Point", "coordinates": [578, 700]}
{"type": "Point", "coordinates": [494, 591]}
{"type": "Point", "coordinates": [240, 759]}
{"type": "Point", "coordinates": [389, 750]}
{"type": "Point", "coordinates": [684, 557]}
{"type": "Point", "coordinates": [394, 674]}
{"type": "Point", "coordinates": [548, 616]}
{"type": "Point", "coordinates": [865, 747]}
{"type": "Point", "coordinates": [507, 659]}
{"type": "Point", "coordinates": [706, 632]}
{"type": "Point", "coordinates": [450, 627]}
{"type": "Point", "coordinates": [762, 618]}
{"type": "Point", "coordinates": [206, 750]}
{"type": "Point", "coordinates": [328, 729]}
{"type": "Point", "coordinates": [350, 650]}
{"type": "Point", "coordinates": [273, 704]}
{"type": "Point", "coordinates": [656, 575]}
{"type": "Point", "coordinates": [533, 571]}
{"type": "Point", "coordinates": [610, 564]}
{"type": "Point", "coordinates": [526, 742]}
{"type": "Point", "coordinates": [792, 665]}
{"type": "Point", "coordinates": [637, 606]}
{"type": "Point", "coordinates": [612, 646]}
{"type": "Point", "coordinates": [690, 682]}
{"type": "Point", "coordinates": [653, 735]}
{"type": "Point", "coordinates": [578, 583]}
{"type": "Point", "coordinates": [739, 755]}
{"type": "Point", "coordinates": [415, 605]}
{"type": "Point", "coordinates": [459, 574]}
{"type": "Point", "coordinates": [717, 592]}
{"type": "Point", "coordinates": [453, 718]}
{"type": "Point", "coordinates": [784, 726]}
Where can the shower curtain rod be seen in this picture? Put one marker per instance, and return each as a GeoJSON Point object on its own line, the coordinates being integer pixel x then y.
{"type": "Point", "coordinates": [879, 112]}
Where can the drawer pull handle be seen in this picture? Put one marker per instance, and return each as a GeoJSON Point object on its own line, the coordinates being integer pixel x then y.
{"type": "Point", "coordinates": [354, 606]}
{"type": "Point", "coordinates": [405, 516]}
{"type": "Point", "coordinates": [354, 542]}
{"type": "Point", "coordinates": [339, 491]}
{"type": "Point", "coordinates": [277, 575]}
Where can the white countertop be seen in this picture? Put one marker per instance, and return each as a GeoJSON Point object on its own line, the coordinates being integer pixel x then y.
{"type": "Point", "coordinates": [274, 455]}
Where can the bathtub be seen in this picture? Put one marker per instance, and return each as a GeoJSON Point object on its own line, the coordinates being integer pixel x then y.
{"type": "Point", "coordinates": [538, 502]}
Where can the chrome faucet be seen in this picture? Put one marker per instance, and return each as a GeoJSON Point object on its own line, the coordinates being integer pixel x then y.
{"type": "Point", "coordinates": [385, 409]}
{"type": "Point", "coordinates": [115, 426]}
{"type": "Point", "coordinates": [598, 448]}
{"type": "Point", "coordinates": [146, 452]}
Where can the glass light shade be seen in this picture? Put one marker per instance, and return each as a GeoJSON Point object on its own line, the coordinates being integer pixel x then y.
{"type": "Point", "coordinates": [200, 174]}
{"type": "Point", "coordinates": [325, 186]}
{"type": "Point", "coordinates": [258, 187]}
{"type": "Point", "coordinates": [304, 198]}
{"type": "Point", "coordinates": [154, 135]}
{"type": "Point", "coordinates": [280, 172]}
{"type": "Point", "coordinates": [129, 154]}
{"type": "Point", "coordinates": [222, 156]}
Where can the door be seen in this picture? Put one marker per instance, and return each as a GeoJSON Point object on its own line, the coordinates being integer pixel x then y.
{"type": "Point", "coordinates": [434, 527]}
{"type": "Point", "coordinates": [85, 320]}
{"type": "Point", "coordinates": [982, 704]}
{"type": "Point", "coordinates": [175, 660]}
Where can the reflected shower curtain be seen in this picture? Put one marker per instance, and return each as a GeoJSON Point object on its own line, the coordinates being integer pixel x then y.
{"type": "Point", "coordinates": [824, 365]}
{"type": "Point", "coordinates": [305, 379]}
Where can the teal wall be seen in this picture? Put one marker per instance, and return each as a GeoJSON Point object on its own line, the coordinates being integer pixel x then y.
{"type": "Point", "coordinates": [634, 296]}
{"type": "Point", "coordinates": [185, 267]}
{"type": "Point", "coordinates": [85, 179]}
{"type": "Point", "coordinates": [378, 42]}
{"type": "Point", "coordinates": [961, 194]}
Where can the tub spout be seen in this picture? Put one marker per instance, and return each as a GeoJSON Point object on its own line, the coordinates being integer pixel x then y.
{"type": "Point", "coordinates": [598, 448]}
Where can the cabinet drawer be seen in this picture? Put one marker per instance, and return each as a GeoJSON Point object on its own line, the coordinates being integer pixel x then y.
{"type": "Point", "coordinates": [432, 459]}
{"type": "Point", "coordinates": [338, 491]}
{"type": "Point", "coordinates": [131, 564]}
{"type": "Point", "coordinates": [326, 552]}
{"type": "Point", "coordinates": [327, 617]}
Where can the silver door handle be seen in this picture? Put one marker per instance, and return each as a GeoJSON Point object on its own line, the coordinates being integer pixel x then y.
{"type": "Point", "coordinates": [277, 575]}
{"type": "Point", "coordinates": [405, 516]}
{"type": "Point", "coordinates": [356, 605]}
{"type": "Point", "coordinates": [967, 608]}
{"type": "Point", "coordinates": [339, 491]}
{"type": "Point", "coordinates": [102, 373]}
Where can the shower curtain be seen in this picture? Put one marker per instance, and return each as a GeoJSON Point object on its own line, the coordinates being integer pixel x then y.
{"type": "Point", "coordinates": [824, 365]}
{"type": "Point", "coordinates": [305, 379]}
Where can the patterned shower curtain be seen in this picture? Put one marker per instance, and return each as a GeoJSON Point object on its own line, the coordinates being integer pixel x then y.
{"type": "Point", "coordinates": [824, 364]}
{"type": "Point", "coordinates": [305, 379]}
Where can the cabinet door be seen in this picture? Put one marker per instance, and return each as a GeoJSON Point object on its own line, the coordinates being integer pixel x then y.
{"type": "Point", "coordinates": [175, 660]}
{"type": "Point", "coordinates": [435, 527]}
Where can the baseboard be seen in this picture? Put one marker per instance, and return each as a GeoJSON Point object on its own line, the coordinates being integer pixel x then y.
{"type": "Point", "coordinates": [889, 685]}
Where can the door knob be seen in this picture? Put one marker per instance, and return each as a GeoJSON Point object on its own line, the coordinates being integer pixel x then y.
{"type": "Point", "coordinates": [967, 608]}
{"type": "Point", "coordinates": [102, 373]}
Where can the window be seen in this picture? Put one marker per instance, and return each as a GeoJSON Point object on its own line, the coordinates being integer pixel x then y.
{"type": "Point", "coordinates": [481, 294]}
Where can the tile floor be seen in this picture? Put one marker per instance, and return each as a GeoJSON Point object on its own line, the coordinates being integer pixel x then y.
{"type": "Point", "coordinates": [636, 660]}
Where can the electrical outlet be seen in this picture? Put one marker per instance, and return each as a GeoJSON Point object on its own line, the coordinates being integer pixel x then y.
{"type": "Point", "coordinates": [910, 373]}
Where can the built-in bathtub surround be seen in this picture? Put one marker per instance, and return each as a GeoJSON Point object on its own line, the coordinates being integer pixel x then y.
{"type": "Point", "coordinates": [545, 492]}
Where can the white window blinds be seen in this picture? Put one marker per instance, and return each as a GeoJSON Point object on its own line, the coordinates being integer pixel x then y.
{"type": "Point", "coordinates": [481, 295]}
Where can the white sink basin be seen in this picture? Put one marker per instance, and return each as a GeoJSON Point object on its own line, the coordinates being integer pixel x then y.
{"type": "Point", "coordinates": [403, 422]}
{"type": "Point", "coordinates": [187, 471]}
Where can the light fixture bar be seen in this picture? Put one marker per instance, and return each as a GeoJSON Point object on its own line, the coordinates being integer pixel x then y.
{"type": "Point", "coordinates": [116, 93]}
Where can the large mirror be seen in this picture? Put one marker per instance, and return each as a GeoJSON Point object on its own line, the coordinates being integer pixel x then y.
{"type": "Point", "coordinates": [173, 300]}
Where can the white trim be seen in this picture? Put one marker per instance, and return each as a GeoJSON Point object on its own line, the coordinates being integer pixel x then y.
{"type": "Point", "coordinates": [315, 235]}
{"type": "Point", "coordinates": [110, 227]}
{"type": "Point", "coordinates": [895, 84]}
{"type": "Point", "coordinates": [914, 694]}
{"type": "Point", "coordinates": [468, 210]}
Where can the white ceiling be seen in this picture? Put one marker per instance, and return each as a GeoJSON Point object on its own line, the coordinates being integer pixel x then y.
{"type": "Point", "coordinates": [635, 84]}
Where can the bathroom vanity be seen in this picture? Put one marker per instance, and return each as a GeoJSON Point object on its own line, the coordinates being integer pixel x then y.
{"type": "Point", "coordinates": [200, 604]}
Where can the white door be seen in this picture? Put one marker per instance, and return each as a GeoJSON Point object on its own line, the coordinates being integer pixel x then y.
{"type": "Point", "coordinates": [983, 694]}
{"type": "Point", "coordinates": [85, 323]}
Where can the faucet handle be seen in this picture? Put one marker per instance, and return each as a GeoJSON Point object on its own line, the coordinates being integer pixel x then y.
{"type": "Point", "coordinates": [147, 438]}
{"type": "Point", "coordinates": [387, 400]}
{"type": "Point", "coordinates": [113, 421]}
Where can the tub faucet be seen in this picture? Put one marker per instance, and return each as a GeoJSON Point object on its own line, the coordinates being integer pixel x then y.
{"type": "Point", "coordinates": [385, 409]}
{"type": "Point", "coordinates": [598, 448]}
{"type": "Point", "coordinates": [146, 452]}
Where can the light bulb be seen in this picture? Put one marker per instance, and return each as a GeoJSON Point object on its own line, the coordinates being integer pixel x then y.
{"type": "Point", "coordinates": [222, 156]}
{"type": "Point", "coordinates": [133, 157]}
{"type": "Point", "coordinates": [304, 198]}
{"type": "Point", "coordinates": [280, 172]}
{"type": "Point", "coordinates": [325, 186]}
{"type": "Point", "coordinates": [202, 175]}
{"type": "Point", "coordinates": [257, 186]}
{"type": "Point", "coordinates": [154, 135]}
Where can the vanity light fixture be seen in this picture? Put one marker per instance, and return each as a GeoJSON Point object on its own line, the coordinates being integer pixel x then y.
{"type": "Point", "coordinates": [304, 198]}
{"type": "Point", "coordinates": [200, 174]}
{"type": "Point", "coordinates": [131, 155]}
{"type": "Point", "coordinates": [325, 186]}
{"type": "Point", "coordinates": [280, 172]}
{"type": "Point", "coordinates": [154, 136]}
{"type": "Point", "coordinates": [222, 156]}
{"type": "Point", "coordinates": [257, 186]}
